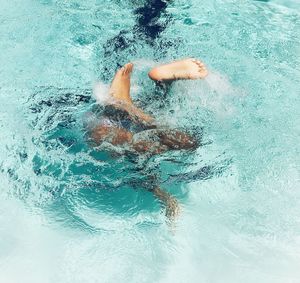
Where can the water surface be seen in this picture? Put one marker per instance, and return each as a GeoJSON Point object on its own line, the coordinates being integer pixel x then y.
{"type": "Point", "coordinates": [70, 214]}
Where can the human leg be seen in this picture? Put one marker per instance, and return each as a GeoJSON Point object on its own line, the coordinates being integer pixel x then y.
{"type": "Point", "coordinates": [111, 134]}
{"type": "Point", "coordinates": [120, 91]}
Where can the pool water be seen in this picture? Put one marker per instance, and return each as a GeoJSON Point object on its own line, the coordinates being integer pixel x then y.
{"type": "Point", "coordinates": [70, 213]}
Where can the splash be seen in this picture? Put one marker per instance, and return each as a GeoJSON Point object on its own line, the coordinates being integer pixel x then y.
{"type": "Point", "coordinates": [101, 93]}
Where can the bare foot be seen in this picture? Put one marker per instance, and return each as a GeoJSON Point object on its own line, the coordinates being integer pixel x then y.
{"type": "Point", "coordinates": [120, 86]}
{"type": "Point", "coordinates": [187, 69]}
{"type": "Point", "coordinates": [120, 91]}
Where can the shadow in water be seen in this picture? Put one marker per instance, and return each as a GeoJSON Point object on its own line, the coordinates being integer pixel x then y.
{"type": "Point", "coordinates": [75, 178]}
{"type": "Point", "coordinates": [151, 19]}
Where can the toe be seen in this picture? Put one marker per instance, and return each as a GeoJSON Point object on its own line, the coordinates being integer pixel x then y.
{"type": "Point", "coordinates": [123, 70]}
{"type": "Point", "coordinates": [130, 67]}
{"type": "Point", "coordinates": [200, 64]}
{"type": "Point", "coordinates": [127, 68]}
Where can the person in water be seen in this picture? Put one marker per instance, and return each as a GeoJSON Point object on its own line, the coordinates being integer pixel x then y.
{"type": "Point", "coordinates": [124, 124]}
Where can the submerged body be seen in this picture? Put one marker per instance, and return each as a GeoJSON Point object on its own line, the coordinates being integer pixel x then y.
{"type": "Point", "coordinates": [123, 124]}
{"type": "Point", "coordinates": [119, 128]}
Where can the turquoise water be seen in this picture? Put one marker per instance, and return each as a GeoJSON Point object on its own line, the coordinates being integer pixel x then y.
{"type": "Point", "coordinates": [71, 214]}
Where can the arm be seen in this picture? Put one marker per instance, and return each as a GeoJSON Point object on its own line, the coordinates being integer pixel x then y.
{"type": "Point", "coordinates": [111, 134]}
{"type": "Point", "coordinates": [159, 141]}
{"type": "Point", "coordinates": [171, 203]}
{"type": "Point", "coordinates": [148, 146]}
{"type": "Point", "coordinates": [175, 139]}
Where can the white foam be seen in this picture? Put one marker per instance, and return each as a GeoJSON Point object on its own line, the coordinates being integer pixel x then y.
{"type": "Point", "coordinates": [219, 83]}
{"type": "Point", "coordinates": [216, 94]}
{"type": "Point", "coordinates": [140, 64]}
{"type": "Point", "coordinates": [100, 93]}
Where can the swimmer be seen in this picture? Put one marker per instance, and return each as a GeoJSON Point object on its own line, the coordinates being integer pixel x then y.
{"type": "Point", "coordinates": [124, 124]}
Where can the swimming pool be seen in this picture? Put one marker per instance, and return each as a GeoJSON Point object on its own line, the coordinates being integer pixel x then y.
{"type": "Point", "coordinates": [66, 216]}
